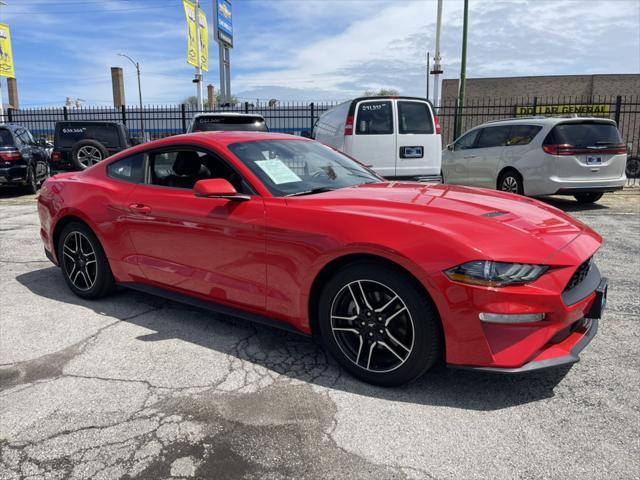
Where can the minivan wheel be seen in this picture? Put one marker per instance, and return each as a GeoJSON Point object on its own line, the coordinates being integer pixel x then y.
{"type": "Point", "coordinates": [511, 181]}
{"type": "Point", "coordinates": [87, 153]}
{"type": "Point", "coordinates": [590, 197]}
{"type": "Point", "coordinates": [83, 262]}
{"type": "Point", "coordinates": [378, 325]}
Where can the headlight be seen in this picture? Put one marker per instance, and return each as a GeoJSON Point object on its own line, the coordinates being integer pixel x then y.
{"type": "Point", "coordinates": [495, 274]}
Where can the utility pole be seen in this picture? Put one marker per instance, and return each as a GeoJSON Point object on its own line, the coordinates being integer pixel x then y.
{"type": "Point", "coordinates": [137, 65]}
{"type": "Point", "coordinates": [463, 69]}
{"type": "Point", "coordinates": [437, 67]}
{"type": "Point", "coordinates": [428, 79]}
{"type": "Point", "coordinates": [198, 79]}
{"type": "Point", "coordinates": [2, 4]}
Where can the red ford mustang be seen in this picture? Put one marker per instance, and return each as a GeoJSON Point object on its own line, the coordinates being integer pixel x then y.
{"type": "Point", "coordinates": [282, 230]}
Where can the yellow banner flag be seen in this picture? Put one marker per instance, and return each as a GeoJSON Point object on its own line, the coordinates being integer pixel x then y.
{"type": "Point", "coordinates": [6, 55]}
{"type": "Point", "coordinates": [204, 41]}
{"type": "Point", "coordinates": [192, 30]}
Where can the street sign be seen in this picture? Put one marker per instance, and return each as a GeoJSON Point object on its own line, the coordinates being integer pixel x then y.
{"type": "Point", "coordinates": [224, 23]}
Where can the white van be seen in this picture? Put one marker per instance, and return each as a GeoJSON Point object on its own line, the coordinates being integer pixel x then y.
{"type": "Point", "coordinates": [399, 137]}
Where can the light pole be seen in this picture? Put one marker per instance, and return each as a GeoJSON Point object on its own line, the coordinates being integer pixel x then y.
{"type": "Point", "coordinates": [463, 70]}
{"type": "Point", "coordinates": [137, 65]}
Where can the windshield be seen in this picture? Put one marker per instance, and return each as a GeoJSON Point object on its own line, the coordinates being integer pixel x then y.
{"type": "Point", "coordinates": [215, 123]}
{"type": "Point", "coordinates": [299, 167]}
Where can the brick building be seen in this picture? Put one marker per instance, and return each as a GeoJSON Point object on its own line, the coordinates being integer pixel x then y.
{"type": "Point", "coordinates": [547, 86]}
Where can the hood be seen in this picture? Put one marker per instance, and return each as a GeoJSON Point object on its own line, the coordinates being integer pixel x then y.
{"type": "Point", "coordinates": [496, 223]}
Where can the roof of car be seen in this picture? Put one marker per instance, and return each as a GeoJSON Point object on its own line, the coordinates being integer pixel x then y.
{"type": "Point", "coordinates": [226, 114]}
{"type": "Point", "coordinates": [541, 120]}
{"type": "Point", "coordinates": [224, 138]}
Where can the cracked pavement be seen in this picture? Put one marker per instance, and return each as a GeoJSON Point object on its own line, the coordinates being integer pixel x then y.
{"type": "Point", "coordinates": [134, 386]}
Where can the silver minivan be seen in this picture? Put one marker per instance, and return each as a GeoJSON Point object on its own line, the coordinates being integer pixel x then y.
{"type": "Point", "coordinates": [537, 156]}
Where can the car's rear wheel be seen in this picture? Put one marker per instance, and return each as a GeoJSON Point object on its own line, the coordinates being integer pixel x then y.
{"type": "Point", "coordinates": [87, 153]}
{"type": "Point", "coordinates": [83, 262]}
{"type": "Point", "coordinates": [511, 181]}
{"type": "Point", "coordinates": [31, 184]}
{"type": "Point", "coordinates": [590, 197]}
{"type": "Point", "coordinates": [379, 326]}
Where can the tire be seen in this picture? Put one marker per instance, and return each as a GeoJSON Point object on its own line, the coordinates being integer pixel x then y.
{"type": "Point", "coordinates": [410, 320]}
{"type": "Point", "coordinates": [591, 197]}
{"type": "Point", "coordinates": [633, 167]}
{"type": "Point", "coordinates": [88, 275]}
{"type": "Point", "coordinates": [511, 181]}
{"type": "Point", "coordinates": [31, 186]}
{"type": "Point", "coordinates": [87, 153]}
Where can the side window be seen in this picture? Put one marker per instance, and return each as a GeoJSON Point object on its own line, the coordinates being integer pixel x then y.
{"type": "Point", "coordinates": [105, 134]}
{"type": "Point", "coordinates": [493, 137]}
{"type": "Point", "coordinates": [467, 140]}
{"type": "Point", "coordinates": [414, 117]}
{"type": "Point", "coordinates": [20, 137]}
{"type": "Point", "coordinates": [182, 168]}
{"type": "Point", "coordinates": [129, 169]}
{"type": "Point", "coordinates": [374, 118]}
{"type": "Point", "coordinates": [522, 134]}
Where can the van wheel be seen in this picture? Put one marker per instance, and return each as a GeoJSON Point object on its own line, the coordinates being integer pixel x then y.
{"type": "Point", "coordinates": [87, 153]}
{"type": "Point", "coordinates": [588, 197]}
{"type": "Point", "coordinates": [379, 326]}
{"type": "Point", "coordinates": [511, 181]}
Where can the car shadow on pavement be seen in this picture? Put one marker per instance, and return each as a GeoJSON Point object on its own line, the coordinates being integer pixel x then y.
{"type": "Point", "coordinates": [568, 204]}
{"type": "Point", "coordinates": [296, 356]}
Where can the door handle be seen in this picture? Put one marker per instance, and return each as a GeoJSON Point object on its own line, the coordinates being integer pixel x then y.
{"type": "Point", "coordinates": [139, 208]}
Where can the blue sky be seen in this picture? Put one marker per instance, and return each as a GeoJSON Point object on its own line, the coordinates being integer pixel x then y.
{"type": "Point", "coordinates": [310, 49]}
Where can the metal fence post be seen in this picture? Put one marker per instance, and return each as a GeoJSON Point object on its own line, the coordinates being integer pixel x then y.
{"type": "Point", "coordinates": [312, 116]}
{"type": "Point", "coordinates": [123, 111]}
{"type": "Point", "coordinates": [535, 106]}
{"type": "Point", "coordinates": [455, 119]}
{"type": "Point", "coordinates": [246, 107]}
{"type": "Point", "coordinates": [183, 110]}
{"type": "Point", "coordinates": [10, 115]}
{"type": "Point", "coordinates": [65, 113]}
{"type": "Point", "coordinates": [616, 115]}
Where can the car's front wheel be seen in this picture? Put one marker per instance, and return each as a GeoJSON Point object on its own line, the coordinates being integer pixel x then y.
{"type": "Point", "coordinates": [31, 183]}
{"type": "Point", "coordinates": [590, 197]}
{"type": "Point", "coordinates": [378, 324]}
{"type": "Point", "coordinates": [83, 262]}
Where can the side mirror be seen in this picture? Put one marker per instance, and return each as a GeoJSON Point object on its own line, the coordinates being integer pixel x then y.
{"type": "Point", "coordinates": [42, 141]}
{"type": "Point", "coordinates": [450, 147]}
{"type": "Point", "coordinates": [218, 188]}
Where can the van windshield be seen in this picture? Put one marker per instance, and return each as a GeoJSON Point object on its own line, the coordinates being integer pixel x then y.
{"type": "Point", "coordinates": [299, 167]}
{"type": "Point", "coordinates": [230, 123]}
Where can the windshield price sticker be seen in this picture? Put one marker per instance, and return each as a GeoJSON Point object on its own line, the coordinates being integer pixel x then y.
{"type": "Point", "coordinates": [278, 172]}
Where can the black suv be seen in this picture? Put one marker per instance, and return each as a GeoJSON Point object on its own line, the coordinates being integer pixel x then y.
{"type": "Point", "coordinates": [23, 161]}
{"type": "Point", "coordinates": [82, 143]}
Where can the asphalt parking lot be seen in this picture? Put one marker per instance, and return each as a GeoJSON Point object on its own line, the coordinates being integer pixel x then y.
{"type": "Point", "coordinates": [138, 387]}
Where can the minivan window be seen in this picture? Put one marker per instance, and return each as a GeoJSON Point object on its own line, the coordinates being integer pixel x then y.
{"type": "Point", "coordinates": [493, 137]}
{"type": "Point", "coordinates": [414, 117]}
{"type": "Point", "coordinates": [466, 141]}
{"type": "Point", "coordinates": [374, 118]}
{"type": "Point", "coordinates": [587, 134]}
{"type": "Point", "coordinates": [522, 134]}
{"type": "Point", "coordinates": [215, 123]}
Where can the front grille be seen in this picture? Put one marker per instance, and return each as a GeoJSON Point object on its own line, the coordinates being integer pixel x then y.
{"type": "Point", "coordinates": [580, 274]}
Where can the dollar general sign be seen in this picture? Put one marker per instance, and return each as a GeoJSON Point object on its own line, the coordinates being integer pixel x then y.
{"type": "Point", "coordinates": [595, 110]}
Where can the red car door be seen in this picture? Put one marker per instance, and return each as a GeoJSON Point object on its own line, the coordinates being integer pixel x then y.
{"type": "Point", "coordinates": [212, 247]}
